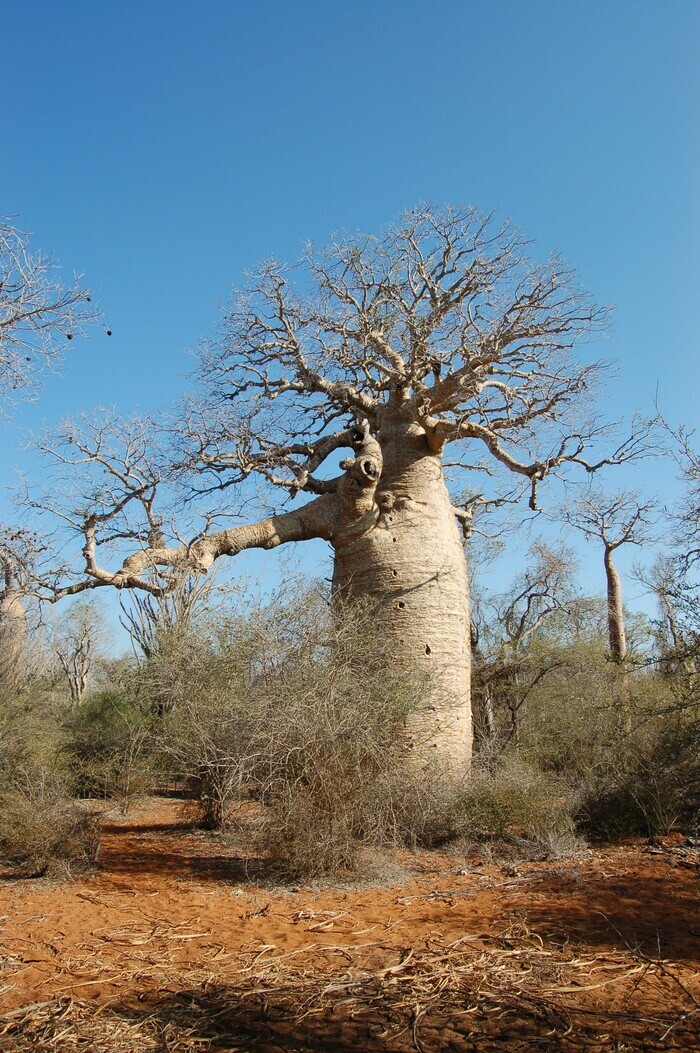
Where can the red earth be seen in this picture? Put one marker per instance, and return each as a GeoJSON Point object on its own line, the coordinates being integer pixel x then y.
{"type": "Point", "coordinates": [172, 944]}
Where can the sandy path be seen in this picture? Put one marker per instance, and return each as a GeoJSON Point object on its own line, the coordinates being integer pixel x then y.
{"type": "Point", "coordinates": [610, 943]}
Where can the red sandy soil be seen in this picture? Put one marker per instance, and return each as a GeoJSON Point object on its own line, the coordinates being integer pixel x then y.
{"type": "Point", "coordinates": [171, 946]}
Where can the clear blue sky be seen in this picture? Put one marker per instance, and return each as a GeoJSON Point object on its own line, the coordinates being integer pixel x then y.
{"type": "Point", "coordinates": [163, 147]}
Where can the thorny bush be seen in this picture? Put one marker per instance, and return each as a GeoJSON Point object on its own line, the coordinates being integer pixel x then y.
{"type": "Point", "coordinates": [296, 709]}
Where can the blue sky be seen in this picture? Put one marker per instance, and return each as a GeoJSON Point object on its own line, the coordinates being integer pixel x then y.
{"type": "Point", "coordinates": [163, 147]}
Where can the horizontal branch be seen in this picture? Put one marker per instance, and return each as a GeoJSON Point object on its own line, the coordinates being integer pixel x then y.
{"type": "Point", "coordinates": [317, 519]}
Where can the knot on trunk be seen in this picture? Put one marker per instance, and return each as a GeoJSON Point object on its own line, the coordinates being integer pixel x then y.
{"type": "Point", "coordinates": [357, 486]}
{"type": "Point", "coordinates": [364, 470]}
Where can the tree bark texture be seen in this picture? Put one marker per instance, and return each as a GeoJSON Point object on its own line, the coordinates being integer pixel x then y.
{"type": "Point", "coordinates": [13, 639]}
{"type": "Point", "coordinates": [617, 638]}
{"type": "Point", "coordinates": [409, 557]}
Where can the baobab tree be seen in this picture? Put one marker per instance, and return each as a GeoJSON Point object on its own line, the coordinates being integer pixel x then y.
{"type": "Point", "coordinates": [13, 617]}
{"type": "Point", "coordinates": [440, 333]}
{"type": "Point", "coordinates": [614, 520]}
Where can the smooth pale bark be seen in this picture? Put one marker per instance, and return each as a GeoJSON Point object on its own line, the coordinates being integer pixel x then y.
{"type": "Point", "coordinates": [411, 560]}
{"type": "Point", "coordinates": [13, 640]}
{"type": "Point", "coordinates": [617, 638]}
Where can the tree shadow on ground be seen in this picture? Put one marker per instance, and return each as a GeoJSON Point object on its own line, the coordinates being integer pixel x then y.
{"type": "Point", "coordinates": [268, 1023]}
{"type": "Point", "coordinates": [657, 914]}
{"type": "Point", "coordinates": [158, 862]}
{"type": "Point", "coordinates": [186, 826]}
{"type": "Point", "coordinates": [222, 1019]}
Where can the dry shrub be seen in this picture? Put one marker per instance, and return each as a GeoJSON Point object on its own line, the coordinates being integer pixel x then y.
{"type": "Point", "coordinates": [299, 710]}
{"type": "Point", "coordinates": [333, 779]}
{"type": "Point", "coordinates": [627, 752]}
{"type": "Point", "coordinates": [208, 714]}
{"type": "Point", "coordinates": [329, 760]}
{"type": "Point", "coordinates": [201, 746]}
{"type": "Point", "coordinates": [620, 749]}
{"type": "Point", "coordinates": [648, 783]}
{"type": "Point", "coordinates": [42, 831]}
{"type": "Point", "coordinates": [516, 808]}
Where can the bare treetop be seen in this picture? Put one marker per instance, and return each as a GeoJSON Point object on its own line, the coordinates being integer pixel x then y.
{"type": "Point", "coordinates": [106, 487]}
{"type": "Point", "coordinates": [444, 320]}
{"type": "Point", "coordinates": [38, 315]}
{"type": "Point", "coordinates": [620, 518]}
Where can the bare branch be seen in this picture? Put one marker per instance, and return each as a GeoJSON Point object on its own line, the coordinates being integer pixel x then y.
{"type": "Point", "coordinates": [38, 316]}
{"type": "Point", "coordinates": [441, 318]}
{"type": "Point", "coordinates": [106, 488]}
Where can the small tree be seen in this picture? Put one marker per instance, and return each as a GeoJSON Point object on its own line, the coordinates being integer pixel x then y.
{"type": "Point", "coordinates": [164, 629]}
{"type": "Point", "coordinates": [614, 520]}
{"type": "Point", "coordinates": [154, 622]}
{"type": "Point", "coordinates": [76, 638]}
{"type": "Point", "coordinates": [508, 663]}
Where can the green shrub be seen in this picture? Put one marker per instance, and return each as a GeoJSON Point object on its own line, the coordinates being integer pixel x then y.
{"type": "Point", "coordinates": [108, 746]}
{"type": "Point", "coordinates": [646, 784]}
{"type": "Point", "coordinates": [41, 828]}
{"type": "Point", "coordinates": [509, 800]}
{"type": "Point", "coordinates": [622, 751]}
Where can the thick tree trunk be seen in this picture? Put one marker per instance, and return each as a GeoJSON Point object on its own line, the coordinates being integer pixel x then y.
{"type": "Point", "coordinates": [410, 558]}
{"type": "Point", "coordinates": [616, 619]}
{"type": "Point", "coordinates": [13, 639]}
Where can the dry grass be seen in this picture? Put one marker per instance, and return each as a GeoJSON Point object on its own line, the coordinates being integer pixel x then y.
{"type": "Point", "coordinates": [502, 992]}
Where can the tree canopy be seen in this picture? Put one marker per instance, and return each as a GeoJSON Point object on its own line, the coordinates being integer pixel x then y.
{"type": "Point", "coordinates": [443, 324]}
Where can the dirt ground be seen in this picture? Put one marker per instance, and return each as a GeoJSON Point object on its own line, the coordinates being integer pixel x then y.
{"type": "Point", "coordinates": [172, 946]}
